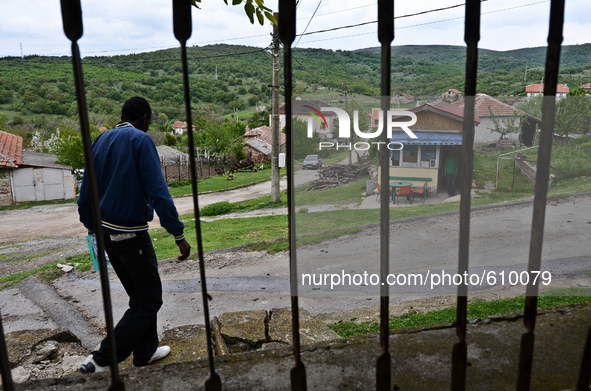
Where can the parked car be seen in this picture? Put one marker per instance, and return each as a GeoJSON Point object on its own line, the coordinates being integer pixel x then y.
{"type": "Point", "coordinates": [312, 161]}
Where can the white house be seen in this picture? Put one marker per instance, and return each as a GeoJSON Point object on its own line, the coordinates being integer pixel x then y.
{"type": "Point", "coordinates": [534, 90]}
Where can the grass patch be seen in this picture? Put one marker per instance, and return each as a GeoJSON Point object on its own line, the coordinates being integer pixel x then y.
{"type": "Point", "coordinates": [221, 182]}
{"type": "Point", "coordinates": [221, 208]}
{"type": "Point", "coordinates": [476, 310]}
{"type": "Point", "coordinates": [28, 205]}
{"type": "Point", "coordinates": [223, 233]}
{"type": "Point", "coordinates": [347, 193]}
{"type": "Point", "coordinates": [13, 279]}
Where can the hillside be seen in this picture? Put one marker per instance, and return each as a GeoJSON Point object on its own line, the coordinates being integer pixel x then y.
{"type": "Point", "coordinates": [225, 78]}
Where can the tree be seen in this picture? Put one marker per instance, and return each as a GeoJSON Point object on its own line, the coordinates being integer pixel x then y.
{"type": "Point", "coordinates": [302, 145]}
{"type": "Point", "coordinates": [505, 125]}
{"type": "Point", "coordinates": [66, 143]}
{"type": "Point", "coordinates": [251, 8]}
{"type": "Point", "coordinates": [573, 115]}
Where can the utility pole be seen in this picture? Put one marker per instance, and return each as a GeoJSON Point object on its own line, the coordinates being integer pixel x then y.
{"type": "Point", "coordinates": [347, 110]}
{"type": "Point", "coordinates": [275, 191]}
{"type": "Point", "coordinates": [22, 58]}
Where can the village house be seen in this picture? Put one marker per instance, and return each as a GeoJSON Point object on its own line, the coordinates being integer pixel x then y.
{"type": "Point", "coordinates": [180, 127]}
{"type": "Point", "coordinates": [534, 90]}
{"type": "Point", "coordinates": [439, 131]}
{"type": "Point", "coordinates": [31, 176]}
{"type": "Point", "coordinates": [451, 95]}
{"type": "Point", "coordinates": [307, 110]}
{"type": "Point", "coordinates": [257, 143]}
{"type": "Point", "coordinates": [484, 134]}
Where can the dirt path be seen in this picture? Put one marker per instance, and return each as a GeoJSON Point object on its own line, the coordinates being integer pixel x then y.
{"type": "Point", "coordinates": [62, 220]}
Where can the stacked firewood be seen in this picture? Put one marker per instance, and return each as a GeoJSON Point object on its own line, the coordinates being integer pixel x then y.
{"type": "Point", "coordinates": [338, 175]}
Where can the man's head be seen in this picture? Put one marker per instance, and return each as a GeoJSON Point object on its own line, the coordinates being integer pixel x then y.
{"type": "Point", "coordinates": [137, 111]}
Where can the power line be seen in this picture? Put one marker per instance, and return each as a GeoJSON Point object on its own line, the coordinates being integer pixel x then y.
{"type": "Point", "coordinates": [310, 21]}
{"type": "Point", "coordinates": [417, 25]}
{"type": "Point", "coordinates": [339, 11]}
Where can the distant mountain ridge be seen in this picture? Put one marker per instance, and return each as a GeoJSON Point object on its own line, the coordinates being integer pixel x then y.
{"type": "Point", "coordinates": [492, 60]}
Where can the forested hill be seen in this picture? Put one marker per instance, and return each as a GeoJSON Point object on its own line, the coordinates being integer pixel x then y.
{"type": "Point", "coordinates": [44, 85]}
{"type": "Point", "coordinates": [573, 56]}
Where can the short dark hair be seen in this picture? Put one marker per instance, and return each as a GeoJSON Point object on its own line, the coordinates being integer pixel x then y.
{"type": "Point", "coordinates": [135, 108]}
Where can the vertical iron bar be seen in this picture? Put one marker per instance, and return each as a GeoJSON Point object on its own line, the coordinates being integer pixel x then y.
{"type": "Point", "coordinates": [585, 370]}
{"type": "Point", "coordinates": [471, 37]}
{"type": "Point", "coordinates": [385, 36]}
{"type": "Point", "coordinates": [287, 30]}
{"type": "Point", "coordinates": [7, 383]}
{"type": "Point", "coordinates": [72, 21]}
{"type": "Point", "coordinates": [182, 32]}
{"type": "Point", "coordinates": [541, 189]}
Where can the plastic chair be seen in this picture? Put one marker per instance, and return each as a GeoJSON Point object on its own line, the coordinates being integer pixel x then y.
{"type": "Point", "coordinates": [379, 192]}
{"type": "Point", "coordinates": [404, 191]}
{"type": "Point", "coordinates": [421, 192]}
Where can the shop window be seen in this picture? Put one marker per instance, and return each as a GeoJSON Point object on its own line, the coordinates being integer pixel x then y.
{"type": "Point", "coordinates": [428, 155]}
{"type": "Point", "coordinates": [395, 158]}
{"type": "Point", "coordinates": [410, 156]}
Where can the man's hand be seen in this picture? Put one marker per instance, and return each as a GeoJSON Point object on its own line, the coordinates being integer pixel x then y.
{"type": "Point", "coordinates": [185, 249]}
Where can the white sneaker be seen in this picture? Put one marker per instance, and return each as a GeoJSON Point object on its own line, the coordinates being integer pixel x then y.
{"type": "Point", "coordinates": [160, 353]}
{"type": "Point", "coordinates": [90, 366]}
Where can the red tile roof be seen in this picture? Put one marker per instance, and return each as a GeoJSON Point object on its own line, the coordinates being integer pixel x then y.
{"type": "Point", "coordinates": [586, 86]}
{"type": "Point", "coordinates": [264, 133]}
{"type": "Point", "coordinates": [440, 106]}
{"type": "Point", "coordinates": [453, 90]}
{"type": "Point", "coordinates": [179, 124]}
{"type": "Point", "coordinates": [445, 108]}
{"type": "Point", "coordinates": [482, 103]}
{"type": "Point", "coordinates": [538, 88]}
{"type": "Point", "coordinates": [11, 150]}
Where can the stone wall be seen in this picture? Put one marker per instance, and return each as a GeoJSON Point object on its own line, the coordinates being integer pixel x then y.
{"type": "Point", "coordinates": [5, 192]}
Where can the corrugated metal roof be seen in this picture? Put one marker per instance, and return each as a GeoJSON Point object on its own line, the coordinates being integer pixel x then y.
{"type": "Point", "coordinates": [38, 159]}
{"type": "Point", "coordinates": [260, 146]}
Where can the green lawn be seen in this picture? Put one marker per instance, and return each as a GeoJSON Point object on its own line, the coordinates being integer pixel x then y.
{"type": "Point", "coordinates": [221, 182]}
{"type": "Point", "coordinates": [476, 310]}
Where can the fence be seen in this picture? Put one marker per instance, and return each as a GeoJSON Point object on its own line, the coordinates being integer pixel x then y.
{"type": "Point", "coordinates": [72, 19]}
{"type": "Point", "coordinates": [178, 169]}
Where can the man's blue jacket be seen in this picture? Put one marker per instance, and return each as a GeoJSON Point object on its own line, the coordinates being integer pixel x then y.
{"type": "Point", "coordinates": [130, 184]}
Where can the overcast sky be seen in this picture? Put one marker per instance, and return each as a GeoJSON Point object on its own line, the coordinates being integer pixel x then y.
{"type": "Point", "coordinates": [114, 27]}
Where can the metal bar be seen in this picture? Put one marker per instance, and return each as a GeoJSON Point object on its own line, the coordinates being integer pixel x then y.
{"type": "Point", "coordinates": [471, 37]}
{"type": "Point", "coordinates": [287, 30]}
{"type": "Point", "coordinates": [7, 383]}
{"type": "Point", "coordinates": [385, 36]}
{"type": "Point", "coordinates": [181, 10]}
{"type": "Point", "coordinates": [541, 190]}
{"type": "Point", "coordinates": [585, 370]}
{"type": "Point", "coordinates": [72, 21]}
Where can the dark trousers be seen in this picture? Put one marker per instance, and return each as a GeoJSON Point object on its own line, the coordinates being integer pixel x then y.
{"type": "Point", "coordinates": [451, 185]}
{"type": "Point", "coordinates": [134, 261]}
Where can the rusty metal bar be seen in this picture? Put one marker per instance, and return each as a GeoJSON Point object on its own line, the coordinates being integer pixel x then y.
{"type": "Point", "coordinates": [471, 37]}
{"type": "Point", "coordinates": [181, 10]}
{"type": "Point", "coordinates": [287, 30]}
{"type": "Point", "coordinates": [7, 383]}
{"type": "Point", "coordinates": [585, 370]}
{"type": "Point", "coordinates": [72, 21]}
{"type": "Point", "coordinates": [541, 191]}
{"type": "Point", "coordinates": [385, 36]}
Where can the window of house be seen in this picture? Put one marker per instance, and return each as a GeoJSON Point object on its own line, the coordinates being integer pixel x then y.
{"type": "Point", "coordinates": [410, 156]}
{"type": "Point", "coordinates": [423, 156]}
{"type": "Point", "coordinates": [428, 155]}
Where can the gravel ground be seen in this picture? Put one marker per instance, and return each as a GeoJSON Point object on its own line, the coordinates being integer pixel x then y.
{"type": "Point", "coordinates": [15, 258]}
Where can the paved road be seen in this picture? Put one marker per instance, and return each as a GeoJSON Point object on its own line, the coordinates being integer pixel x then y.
{"type": "Point", "coordinates": [240, 281]}
{"type": "Point", "coordinates": [62, 220]}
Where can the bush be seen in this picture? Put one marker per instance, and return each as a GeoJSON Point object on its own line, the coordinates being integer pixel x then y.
{"type": "Point", "coordinates": [219, 208]}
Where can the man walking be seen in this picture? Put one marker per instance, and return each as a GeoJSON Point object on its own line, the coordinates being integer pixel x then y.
{"type": "Point", "coordinates": [130, 187]}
